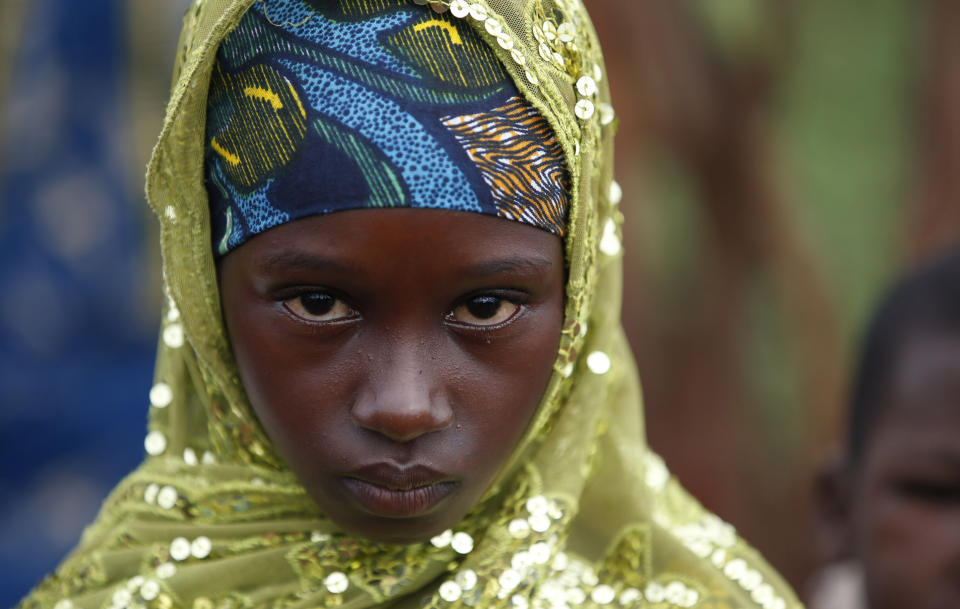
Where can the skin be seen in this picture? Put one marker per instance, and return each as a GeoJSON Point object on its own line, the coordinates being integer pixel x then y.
{"type": "Point", "coordinates": [395, 356]}
{"type": "Point", "coordinates": [905, 505]}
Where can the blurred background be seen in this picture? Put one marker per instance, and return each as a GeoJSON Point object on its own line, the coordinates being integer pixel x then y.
{"type": "Point", "coordinates": [782, 160]}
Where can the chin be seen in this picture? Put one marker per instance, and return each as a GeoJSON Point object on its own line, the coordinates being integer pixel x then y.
{"type": "Point", "coordinates": [396, 531]}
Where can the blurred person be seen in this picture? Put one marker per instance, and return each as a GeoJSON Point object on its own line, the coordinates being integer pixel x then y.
{"type": "Point", "coordinates": [890, 506]}
{"type": "Point", "coordinates": [391, 369]}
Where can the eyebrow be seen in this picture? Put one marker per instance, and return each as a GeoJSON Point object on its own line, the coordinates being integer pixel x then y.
{"type": "Point", "coordinates": [302, 260]}
{"type": "Point", "coordinates": [513, 264]}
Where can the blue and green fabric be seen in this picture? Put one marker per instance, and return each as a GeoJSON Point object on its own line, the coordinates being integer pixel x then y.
{"type": "Point", "coordinates": [317, 107]}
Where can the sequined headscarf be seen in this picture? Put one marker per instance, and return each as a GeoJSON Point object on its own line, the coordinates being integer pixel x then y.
{"type": "Point", "coordinates": [324, 106]}
{"type": "Point", "coordinates": [583, 514]}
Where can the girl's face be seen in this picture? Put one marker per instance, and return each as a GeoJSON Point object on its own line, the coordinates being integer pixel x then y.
{"type": "Point", "coordinates": [395, 356]}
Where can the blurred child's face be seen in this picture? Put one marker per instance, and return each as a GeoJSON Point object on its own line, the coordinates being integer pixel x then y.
{"type": "Point", "coordinates": [395, 356]}
{"type": "Point", "coordinates": [906, 510]}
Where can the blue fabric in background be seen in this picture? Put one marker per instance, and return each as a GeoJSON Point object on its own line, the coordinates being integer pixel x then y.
{"type": "Point", "coordinates": [76, 354]}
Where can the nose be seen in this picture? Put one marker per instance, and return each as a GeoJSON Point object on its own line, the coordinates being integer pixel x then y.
{"type": "Point", "coordinates": [403, 401]}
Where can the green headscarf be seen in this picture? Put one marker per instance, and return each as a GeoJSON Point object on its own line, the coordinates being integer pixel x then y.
{"type": "Point", "coordinates": [583, 514]}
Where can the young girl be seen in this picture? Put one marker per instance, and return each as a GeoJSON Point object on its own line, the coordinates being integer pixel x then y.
{"type": "Point", "coordinates": [391, 369]}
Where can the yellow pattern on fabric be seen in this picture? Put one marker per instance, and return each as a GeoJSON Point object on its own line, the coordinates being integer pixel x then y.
{"type": "Point", "coordinates": [365, 8]}
{"type": "Point", "coordinates": [266, 126]}
{"type": "Point", "coordinates": [436, 44]}
{"type": "Point", "coordinates": [265, 95]}
{"type": "Point", "coordinates": [452, 31]}
{"type": "Point", "coordinates": [583, 515]}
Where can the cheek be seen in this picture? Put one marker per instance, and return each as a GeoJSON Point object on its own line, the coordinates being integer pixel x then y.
{"type": "Point", "coordinates": [506, 383]}
{"type": "Point", "coordinates": [291, 382]}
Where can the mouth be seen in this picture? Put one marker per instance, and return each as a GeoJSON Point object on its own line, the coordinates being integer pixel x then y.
{"type": "Point", "coordinates": [391, 491]}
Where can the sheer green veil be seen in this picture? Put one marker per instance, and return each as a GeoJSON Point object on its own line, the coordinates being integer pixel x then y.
{"type": "Point", "coordinates": [583, 514]}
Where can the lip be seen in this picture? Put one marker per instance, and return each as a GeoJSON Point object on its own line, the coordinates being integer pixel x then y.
{"type": "Point", "coordinates": [385, 489]}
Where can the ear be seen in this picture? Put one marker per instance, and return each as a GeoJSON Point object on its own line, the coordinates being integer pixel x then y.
{"type": "Point", "coordinates": [833, 501]}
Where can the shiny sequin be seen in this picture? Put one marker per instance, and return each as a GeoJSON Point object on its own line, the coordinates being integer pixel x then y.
{"type": "Point", "coordinates": [459, 8]}
{"type": "Point", "coordinates": [151, 492]}
{"type": "Point", "coordinates": [616, 193]}
{"type": "Point", "coordinates": [735, 569]}
{"type": "Point", "coordinates": [654, 593]}
{"type": "Point", "coordinates": [519, 602]}
{"type": "Point", "coordinates": [509, 579]}
{"type": "Point", "coordinates": [629, 596]}
{"type": "Point", "coordinates": [519, 528]}
{"type": "Point", "coordinates": [190, 456]}
{"type": "Point", "coordinates": [700, 548]}
{"type": "Point", "coordinates": [493, 26]}
{"type": "Point", "coordinates": [166, 570]}
{"type": "Point", "coordinates": [607, 113]}
{"type": "Point", "coordinates": [751, 580]}
{"type": "Point", "coordinates": [208, 458]}
{"type": "Point", "coordinates": [610, 242]}
{"type": "Point", "coordinates": [443, 539]}
{"type": "Point", "coordinates": [149, 590]}
{"type": "Point", "coordinates": [566, 32]}
{"type": "Point", "coordinates": [203, 602]}
{"type": "Point", "coordinates": [466, 579]}
{"type": "Point", "coordinates": [549, 31]}
{"type": "Point", "coordinates": [584, 109]}
{"type": "Point", "coordinates": [450, 592]}
{"type": "Point", "coordinates": [64, 604]}
{"type": "Point", "coordinates": [167, 497]}
{"type": "Point", "coordinates": [545, 53]}
{"type": "Point", "coordinates": [576, 596]}
{"type": "Point", "coordinates": [675, 593]}
{"type": "Point", "coordinates": [603, 595]}
{"type": "Point", "coordinates": [539, 522]}
{"type": "Point", "coordinates": [336, 582]}
{"type": "Point", "coordinates": [589, 578]}
{"type": "Point", "coordinates": [122, 598]}
{"type": "Point", "coordinates": [180, 549]}
{"type": "Point", "coordinates": [478, 12]}
{"type": "Point", "coordinates": [599, 362]}
{"type": "Point", "coordinates": [521, 561]}
{"type": "Point", "coordinates": [540, 553]}
{"type": "Point", "coordinates": [173, 336]}
{"type": "Point", "coordinates": [201, 547]}
{"type": "Point", "coordinates": [155, 443]}
{"type": "Point", "coordinates": [538, 505]}
{"type": "Point", "coordinates": [170, 213]}
{"type": "Point", "coordinates": [587, 86]}
{"type": "Point", "coordinates": [161, 395]}
{"type": "Point", "coordinates": [462, 543]}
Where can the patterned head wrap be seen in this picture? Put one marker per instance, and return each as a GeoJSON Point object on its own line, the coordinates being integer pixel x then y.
{"type": "Point", "coordinates": [317, 107]}
{"type": "Point", "coordinates": [583, 514]}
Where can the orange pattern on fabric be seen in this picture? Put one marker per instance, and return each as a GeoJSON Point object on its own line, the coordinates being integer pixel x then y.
{"type": "Point", "coordinates": [520, 160]}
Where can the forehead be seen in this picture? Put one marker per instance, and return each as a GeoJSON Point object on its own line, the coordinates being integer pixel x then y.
{"type": "Point", "coordinates": [925, 387]}
{"type": "Point", "coordinates": [400, 237]}
{"type": "Point", "coordinates": [922, 407]}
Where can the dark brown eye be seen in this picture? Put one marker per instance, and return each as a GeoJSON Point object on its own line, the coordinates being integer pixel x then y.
{"type": "Point", "coordinates": [484, 310]}
{"type": "Point", "coordinates": [319, 306]}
